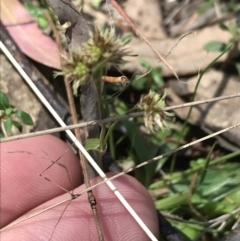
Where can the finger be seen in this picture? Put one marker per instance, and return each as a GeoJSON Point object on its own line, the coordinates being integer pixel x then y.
{"type": "Point", "coordinates": [21, 164]}
{"type": "Point", "coordinates": [76, 223]}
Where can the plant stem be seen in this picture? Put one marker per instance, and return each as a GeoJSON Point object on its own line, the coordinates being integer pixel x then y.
{"type": "Point", "coordinates": [105, 138]}
{"type": "Point", "coordinates": [138, 32]}
{"type": "Point", "coordinates": [173, 162]}
{"type": "Point", "coordinates": [3, 129]}
{"type": "Point", "coordinates": [83, 160]}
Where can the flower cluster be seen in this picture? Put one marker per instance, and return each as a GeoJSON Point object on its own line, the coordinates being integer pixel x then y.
{"type": "Point", "coordinates": [155, 118]}
{"type": "Point", "coordinates": [102, 47]}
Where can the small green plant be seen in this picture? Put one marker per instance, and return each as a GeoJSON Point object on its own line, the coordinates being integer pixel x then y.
{"type": "Point", "coordinates": [8, 113]}
{"type": "Point", "coordinates": [153, 80]}
{"type": "Point", "coordinates": [38, 13]}
{"type": "Point", "coordinates": [206, 5]}
{"type": "Point", "coordinates": [234, 29]}
{"type": "Point", "coordinates": [202, 198]}
{"type": "Point", "coordinates": [96, 3]}
{"type": "Point", "coordinates": [231, 5]}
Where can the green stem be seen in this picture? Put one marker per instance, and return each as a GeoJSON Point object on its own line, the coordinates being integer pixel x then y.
{"type": "Point", "coordinates": [109, 131]}
{"type": "Point", "coordinates": [113, 125]}
{"type": "Point", "coordinates": [112, 146]}
{"type": "Point", "coordinates": [99, 85]}
{"type": "Point", "coordinates": [205, 168]}
{"type": "Point", "coordinates": [173, 162]}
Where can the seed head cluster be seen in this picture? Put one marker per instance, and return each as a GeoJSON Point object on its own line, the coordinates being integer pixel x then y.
{"type": "Point", "coordinates": [155, 118]}
{"type": "Point", "coordinates": [102, 47]}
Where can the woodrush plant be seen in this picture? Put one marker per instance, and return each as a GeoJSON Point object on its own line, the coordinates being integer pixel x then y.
{"type": "Point", "coordinates": [155, 118]}
{"type": "Point", "coordinates": [89, 63]}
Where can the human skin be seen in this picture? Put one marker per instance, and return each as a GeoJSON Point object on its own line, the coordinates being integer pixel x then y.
{"type": "Point", "coordinates": [23, 191]}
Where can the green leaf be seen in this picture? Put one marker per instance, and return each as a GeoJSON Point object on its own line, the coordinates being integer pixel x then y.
{"type": "Point", "coordinates": [139, 84]}
{"type": "Point", "coordinates": [42, 22]}
{"type": "Point", "coordinates": [205, 6]}
{"type": "Point", "coordinates": [38, 14]}
{"type": "Point", "coordinates": [92, 144]}
{"type": "Point", "coordinates": [172, 201]}
{"type": "Point", "coordinates": [9, 111]}
{"type": "Point", "coordinates": [234, 30]}
{"type": "Point", "coordinates": [190, 231]}
{"type": "Point", "coordinates": [24, 117]}
{"type": "Point", "coordinates": [1, 134]}
{"type": "Point", "coordinates": [126, 39]}
{"type": "Point", "coordinates": [237, 66]}
{"type": "Point", "coordinates": [215, 46]}
{"type": "Point", "coordinates": [145, 64]}
{"type": "Point", "coordinates": [224, 27]}
{"type": "Point", "coordinates": [17, 125]}
{"type": "Point", "coordinates": [4, 102]}
{"type": "Point", "coordinates": [8, 125]}
{"type": "Point", "coordinates": [96, 3]}
{"type": "Point", "coordinates": [33, 10]}
{"type": "Point", "coordinates": [120, 107]}
{"type": "Point", "coordinates": [156, 75]}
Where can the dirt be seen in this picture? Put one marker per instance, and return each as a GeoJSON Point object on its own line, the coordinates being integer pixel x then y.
{"type": "Point", "coordinates": [212, 117]}
{"type": "Point", "coordinates": [23, 98]}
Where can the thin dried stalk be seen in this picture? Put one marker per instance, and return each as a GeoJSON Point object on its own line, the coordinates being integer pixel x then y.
{"type": "Point", "coordinates": [116, 118]}
{"type": "Point", "coordinates": [138, 32]}
{"type": "Point", "coordinates": [83, 161]}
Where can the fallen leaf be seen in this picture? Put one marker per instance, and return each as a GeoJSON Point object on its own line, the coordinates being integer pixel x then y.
{"type": "Point", "coordinates": [28, 36]}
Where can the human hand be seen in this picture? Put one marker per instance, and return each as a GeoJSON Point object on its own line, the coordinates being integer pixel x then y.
{"type": "Point", "coordinates": [24, 190]}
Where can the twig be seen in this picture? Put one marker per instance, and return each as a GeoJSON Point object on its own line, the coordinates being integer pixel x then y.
{"type": "Point", "coordinates": [117, 118]}
{"type": "Point", "coordinates": [191, 191]}
{"type": "Point", "coordinates": [218, 221]}
{"type": "Point", "coordinates": [137, 31]}
{"type": "Point", "coordinates": [86, 170]}
{"type": "Point", "coordinates": [171, 152]}
{"type": "Point", "coordinates": [176, 44]}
